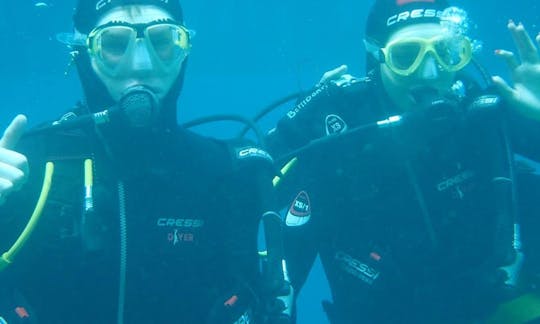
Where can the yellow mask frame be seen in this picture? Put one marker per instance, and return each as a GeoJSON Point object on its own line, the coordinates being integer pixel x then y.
{"type": "Point", "coordinates": [404, 56]}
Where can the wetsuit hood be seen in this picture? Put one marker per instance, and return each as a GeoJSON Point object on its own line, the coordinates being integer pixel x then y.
{"type": "Point", "coordinates": [388, 16]}
{"type": "Point", "coordinates": [97, 97]}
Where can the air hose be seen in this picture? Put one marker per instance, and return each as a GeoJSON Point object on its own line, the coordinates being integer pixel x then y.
{"type": "Point", "coordinates": [8, 257]}
{"type": "Point", "coordinates": [215, 118]}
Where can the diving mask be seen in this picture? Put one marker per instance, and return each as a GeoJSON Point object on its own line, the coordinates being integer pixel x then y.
{"type": "Point", "coordinates": [405, 55]}
{"type": "Point", "coordinates": [114, 44]}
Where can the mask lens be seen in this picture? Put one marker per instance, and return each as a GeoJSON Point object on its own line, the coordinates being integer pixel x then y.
{"type": "Point", "coordinates": [404, 54]}
{"type": "Point", "coordinates": [170, 42]}
{"type": "Point", "coordinates": [112, 43]}
{"type": "Point", "coordinates": [454, 53]}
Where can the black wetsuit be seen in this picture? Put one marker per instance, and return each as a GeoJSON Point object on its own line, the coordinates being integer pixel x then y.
{"type": "Point", "coordinates": [411, 222]}
{"type": "Point", "coordinates": [191, 207]}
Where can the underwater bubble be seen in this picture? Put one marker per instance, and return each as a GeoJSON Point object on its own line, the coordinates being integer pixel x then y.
{"type": "Point", "coordinates": [459, 89]}
{"type": "Point", "coordinates": [41, 5]}
{"type": "Point", "coordinates": [71, 39]}
{"type": "Point", "coordinates": [455, 20]}
{"type": "Point", "coordinates": [477, 45]}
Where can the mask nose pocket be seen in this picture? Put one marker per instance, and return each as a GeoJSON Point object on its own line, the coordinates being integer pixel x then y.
{"type": "Point", "coordinates": [141, 56]}
{"type": "Point", "coordinates": [429, 68]}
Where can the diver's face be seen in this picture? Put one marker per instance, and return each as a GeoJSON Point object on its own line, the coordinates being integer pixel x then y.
{"type": "Point", "coordinates": [126, 63]}
{"type": "Point", "coordinates": [429, 76]}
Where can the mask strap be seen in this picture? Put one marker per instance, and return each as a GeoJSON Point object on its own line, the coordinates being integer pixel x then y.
{"type": "Point", "coordinates": [375, 50]}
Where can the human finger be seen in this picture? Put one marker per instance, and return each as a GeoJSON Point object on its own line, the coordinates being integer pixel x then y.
{"type": "Point", "coordinates": [14, 159]}
{"type": "Point", "coordinates": [13, 132]}
{"type": "Point", "coordinates": [503, 88]}
{"type": "Point", "coordinates": [6, 187]}
{"type": "Point", "coordinates": [12, 174]}
{"type": "Point", "coordinates": [509, 57]}
{"type": "Point", "coordinates": [333, 74]}
{"type": "Point", "coordinates": [526, 47]}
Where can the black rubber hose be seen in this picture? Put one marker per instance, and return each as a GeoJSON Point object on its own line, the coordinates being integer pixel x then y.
{"type": "Point", "coordinates": [268, 109]}
{"type": "Point", "coordinates": [215, 118]}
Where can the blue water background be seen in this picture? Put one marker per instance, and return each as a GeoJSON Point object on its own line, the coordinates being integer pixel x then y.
{"type": "Point", "coordinates": [246, 54]}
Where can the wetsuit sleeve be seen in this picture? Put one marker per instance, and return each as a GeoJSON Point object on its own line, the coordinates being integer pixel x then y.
{"type": "Point", "coordinates": [300, 253]}
{"type": "Point", "coordinates": [528, 193]}
{"type": "Point", "coordinates": [524, 134]}
{"type": "Point", "coordinates": [302, 124]}
{"type": "Point", "coordinates": [246, 197]}
{"type": "Point", "coordinates": [244, 205]}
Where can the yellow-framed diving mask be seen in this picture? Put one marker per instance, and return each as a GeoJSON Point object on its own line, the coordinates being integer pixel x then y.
{"type": "Point", "coordinates": [114, 44]}
{"type": "Point", "coordinates": [404, 56]}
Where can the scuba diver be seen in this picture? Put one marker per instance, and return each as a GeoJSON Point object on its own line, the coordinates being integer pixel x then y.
{"type": "Point", "coordinates": [138, 220]}
{"type": "Point", "coordinates": [414, 210]}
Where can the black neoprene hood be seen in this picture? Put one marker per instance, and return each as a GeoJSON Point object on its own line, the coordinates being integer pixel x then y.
{"type": "Point", "coordinates": [86, 16]}
{"type": "Point", "coordinates": [88, 12]}
{"type": "Point", "coordinates": [388, 16]}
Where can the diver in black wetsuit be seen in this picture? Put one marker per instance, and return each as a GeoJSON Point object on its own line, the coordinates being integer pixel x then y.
{"type": "Point", "coordinates": [145, 222]}
{"type": "Point", "coordinates": [404, 181]}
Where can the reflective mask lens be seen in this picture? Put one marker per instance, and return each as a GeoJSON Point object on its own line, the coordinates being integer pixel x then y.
{"type": "Point", "coordinates": [169, 42]}
{"type": "Point", "coordinates": [111, 44]}
{"type": "Point", "coordinates": [404, 56]}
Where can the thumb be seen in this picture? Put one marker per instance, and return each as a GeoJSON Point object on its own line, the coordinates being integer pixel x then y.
{"type": "Point", "coordinates": [334, 74]}
{"type": "Point", "coordinates": [340, 70]}
{"type": "Point", "coordinates": [504, 89]}
{"type": "Point", "coordinates": [13, 132]}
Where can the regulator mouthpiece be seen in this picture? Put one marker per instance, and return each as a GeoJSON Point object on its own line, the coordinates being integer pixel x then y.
{"type": "Point", "coordinates": [139, 107]}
